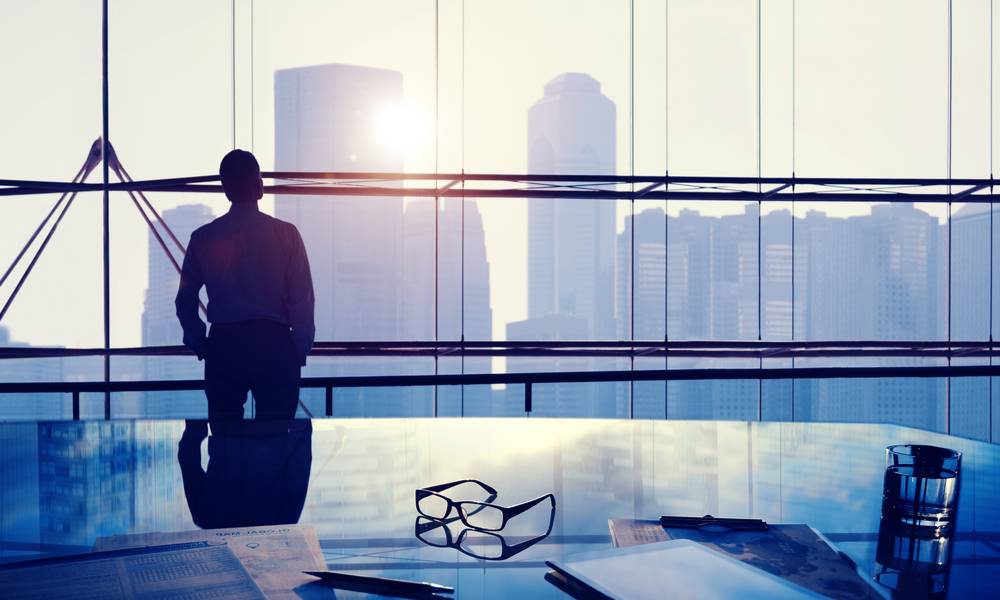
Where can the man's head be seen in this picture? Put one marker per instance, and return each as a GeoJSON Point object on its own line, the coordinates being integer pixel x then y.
{"type": "Point", "coordinates": [240, 176]}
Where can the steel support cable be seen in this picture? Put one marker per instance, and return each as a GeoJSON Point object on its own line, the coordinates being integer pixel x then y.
{"type": "Point", "coordinates": [152, 229]}
{"type": "Point", "coordinates": [252, 109]}
{"type": "Point", "coordinates": [38, 253]}
{"type": "Point", "coordinates": [105, 205]}
{"type": "Point", "coordinates": [631, 159]}
{"type": "Point", "coordinates": [437, 203]}
{"type": "Point", "coordinates": [38, 229]}
{"type": "Point", "coordinates": [666, 201]}
{"type": "Point", "coordinates": [948, 158]}
{"type": "Point", "coordinates": [760, 207]}
{"type": "Point", "coordinates": [159, 219]}
{"type": "Point", "coordinates": [93, 159]}
{"type": "Point", "coordinates": [123, 175]}
{"type": "Point", "coordinates": [462, 143]}
{"type": "Point", "coordinates": [163, 244]}
{"type": "Point", "coordinates": [793, 204]}
{"type": "Point", "coordinates": [232, 64]}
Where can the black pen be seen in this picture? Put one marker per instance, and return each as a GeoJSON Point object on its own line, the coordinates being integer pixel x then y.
{"type": "Point", "coordinates": [697, 522]}
{"type": "Point", "coordinates": [402, 585]}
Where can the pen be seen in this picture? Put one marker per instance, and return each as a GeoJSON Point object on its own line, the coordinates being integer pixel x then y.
{"type": "Point", "coordinates": [402, 585]}
{"type": "Point", "coordinates": [696, 522]}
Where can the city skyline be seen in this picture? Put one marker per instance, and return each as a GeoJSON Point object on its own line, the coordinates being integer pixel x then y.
{"type": "Point", "coordinates": [466, 291]}
{"type": "Point", "coordinates": [374, 259]}
{"type": "Point", "coordinates": [683, 122]}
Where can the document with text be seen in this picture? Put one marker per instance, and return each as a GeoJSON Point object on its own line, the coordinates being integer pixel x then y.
{"type": "Point", "coordinates": [165, 572]}
{"type": "Point", "coordinates": [274, 555]}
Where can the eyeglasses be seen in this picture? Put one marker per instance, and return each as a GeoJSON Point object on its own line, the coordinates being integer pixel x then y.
{"type": "Point", "coordinates": [483, 515]}
{"type": "Point", "coordinates": [485, 545]}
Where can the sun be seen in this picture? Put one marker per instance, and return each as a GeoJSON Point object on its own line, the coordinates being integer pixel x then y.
{"type": "Point", "coordinates": [399, 128]}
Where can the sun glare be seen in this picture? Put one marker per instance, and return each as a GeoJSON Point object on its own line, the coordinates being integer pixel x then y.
{"type": "Point", "coordinates": [398, 128]}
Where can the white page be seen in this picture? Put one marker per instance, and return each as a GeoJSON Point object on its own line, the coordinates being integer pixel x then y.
{"type": "Point", "coordinates": [274, 555]}
{"type": "Point", "coordinates": [164, 572]}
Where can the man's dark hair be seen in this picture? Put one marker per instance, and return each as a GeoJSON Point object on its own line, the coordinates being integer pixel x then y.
{"type": "Point", "coordinates": [240, 174]}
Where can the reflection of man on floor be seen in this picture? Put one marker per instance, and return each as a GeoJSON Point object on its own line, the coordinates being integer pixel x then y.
{"type": "Point", "coordinates": [258, 472]}
{"type": "Point", "coordinates": [260, 301]}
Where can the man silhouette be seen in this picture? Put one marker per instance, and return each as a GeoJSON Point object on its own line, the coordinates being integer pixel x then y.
{"type": "Point", "coordinates": [260, 301]}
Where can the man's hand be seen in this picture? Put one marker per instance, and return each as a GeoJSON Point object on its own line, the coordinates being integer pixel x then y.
{"type": "Point", "coordinates": [198, 346]}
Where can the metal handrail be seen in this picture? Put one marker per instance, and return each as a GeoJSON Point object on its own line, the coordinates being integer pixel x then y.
{"type": "Point", "coordinates": [576, 186]}
{"type": "Point", "coordinates": [528, 380]}
{"type": "Point", "coordinates": [585, 348]}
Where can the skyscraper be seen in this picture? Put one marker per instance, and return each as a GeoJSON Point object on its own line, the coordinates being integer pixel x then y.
{"type": "Point", "coordinates": [331, 118]}
{"type": "Point", "coordinates": [160, 326]}
{"type": "Point", "coordinates": [326, 118]}
{"type": "Point", "coordinates": [648, 279]}
{"type": "Point", "coordinates": [463, 293]}
{"type": "Point", "coordinates": [31, 406]}
{"type": "Point", "coordinates": [571, 243]}
{"type": "Point", "coordinates": [571, 253]}
{"type": "Point", "coordinates": [878, 276]}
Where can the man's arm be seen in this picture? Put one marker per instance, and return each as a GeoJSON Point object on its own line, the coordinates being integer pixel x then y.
{"type": "Point", "coordinates": [186, 302]}
{"type": "Point", "coordinates": [301, 302]}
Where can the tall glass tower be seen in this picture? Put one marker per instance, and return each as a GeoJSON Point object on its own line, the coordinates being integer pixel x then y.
{"type": "Point", "coordinates": [571, 244]}
{"type": "Point", "coordinates": [161, 328]}
{"type": "Point", "coordinates": [571, 250]}
{"type": "Point", "coordinates": [326, 119]}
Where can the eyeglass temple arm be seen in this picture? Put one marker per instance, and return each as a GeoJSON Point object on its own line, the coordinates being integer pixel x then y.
{"type": "Point", "coordinates": [521, 546]}
{"type": "Point", "coordinates": [520, 508]}
{"type": "Point", "coordinates": [443, 486]}
{"type": "Point", "coordinates": [532, 541]}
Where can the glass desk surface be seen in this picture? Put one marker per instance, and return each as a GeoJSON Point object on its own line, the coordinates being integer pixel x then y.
{"type": "Point", "coordinates": [64, 484]}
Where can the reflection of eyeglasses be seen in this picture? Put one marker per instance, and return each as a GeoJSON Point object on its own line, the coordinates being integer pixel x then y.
{"type": "Point", "coordinates": [477, 515]}
{"type": "Point", "coordinates": [484, 545]}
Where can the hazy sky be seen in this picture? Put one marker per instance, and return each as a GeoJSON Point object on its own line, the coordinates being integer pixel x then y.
{"type": "Point", "coordinates": [871, 99]}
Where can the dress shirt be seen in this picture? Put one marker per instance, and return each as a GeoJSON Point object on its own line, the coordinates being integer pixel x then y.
{"type": "Point", "coordinates": [253, 266]}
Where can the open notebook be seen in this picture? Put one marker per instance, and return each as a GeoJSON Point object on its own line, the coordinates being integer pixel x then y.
{"type": "Point", "coordinates": [675, 569]}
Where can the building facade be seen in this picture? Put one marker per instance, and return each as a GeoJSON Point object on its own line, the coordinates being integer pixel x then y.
{"type": "Point", "coordinates": [160, 326]}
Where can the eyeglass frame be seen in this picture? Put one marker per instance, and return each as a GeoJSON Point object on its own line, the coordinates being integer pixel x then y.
{"type": "Point", "coordinates": [433, 490]}
{"type": "Point", "coordinates": [507, 512]}
{"type": "Point", "coordinates": [507, 551]}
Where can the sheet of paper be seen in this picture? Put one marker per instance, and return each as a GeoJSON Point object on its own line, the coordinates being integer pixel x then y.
{"type": "Point", "coordinates": [275, 556]}
{"type": "Point", "coordinates": [633, 532]}
{"type": "Point", "coordinates": [165, 572]}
